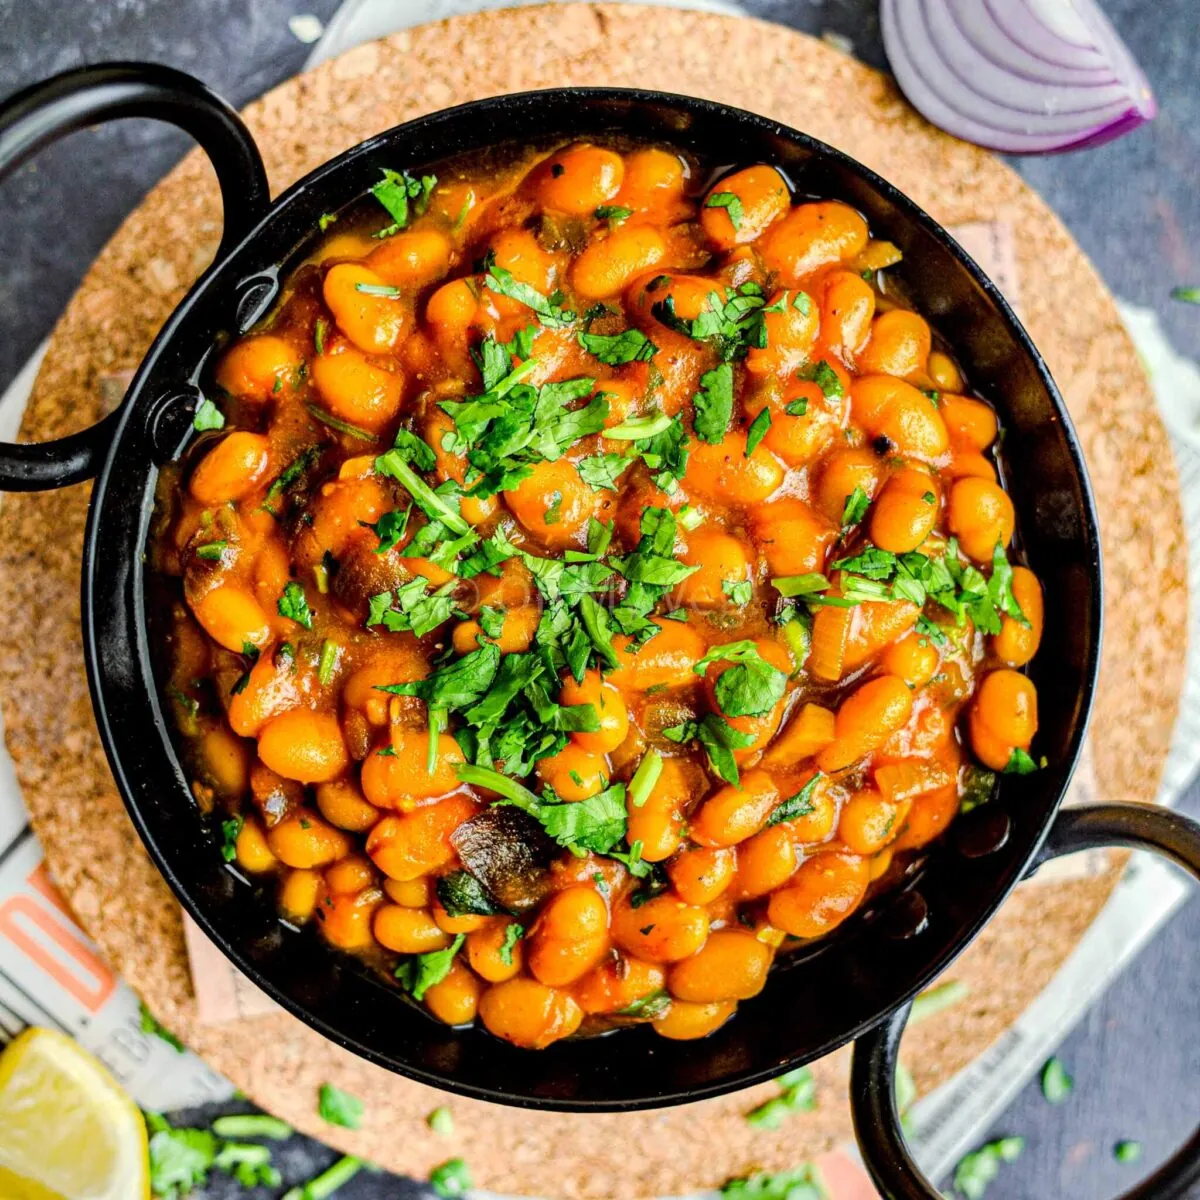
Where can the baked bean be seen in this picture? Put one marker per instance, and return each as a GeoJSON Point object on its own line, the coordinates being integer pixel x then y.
{"type": "Point", "coordinates": [944, 373]}
{"type": "Point", "coordinates": [411, 258]}
{"type": "Point", "coordinates": [981, 516]}
{"type": "Point", "coordinates": [970, 421]}
{"type": "Point", "coordinates": [258, 367]}
{"type": "Point", "coordinates": [574, 773]}
{"type": "Point", "coordinates": [528, 1013]}
{"type": "Point", "coordinates": [732, 814]}
{"type": "Point", "coordinates": [553, 503]}
{"type": "Point", "coordinates": [412, 845]}
{"type": "Point", "coordinates": [342, 804]}
{"type": "Point", "coordinates": [225, 762]}
{"type": "Point", "coordinates": [812, 236]}
{"type": "Point", "coordinates": [298, 895]}
{"type": "Point", "coordinates": [700, 875]}
{"type": "Point", "coordinates": [407, 930]}
{"type": "Point", "coordinates": [721, 562]}
{"type": "Point", "coordinates": [355, 389]}
{"type": "Point", "coordinates": [233, 618]}
{"type": "Point", "coordinates": [868, 822]}
{"type": "Point", "coordinates": [1016, 643]}
{"type": "Point", "coordinates": [304, 745]}
{"type": "Point", "coordinates": [821, 895]}
{"type": "Point", "coordinates": [847, 306]}
{"type": "Point", "coordinates": [905, 418]}
{"type": "Point", "coordinates": [843, 472]}
{"type": "Point", "coordinates": [345, 920]}
{"type": "Point", "coordinates": [455, 999]}
{"type": "Point", "coordinates": [1003, 717]}
{"type": "Point", "coordinates": [402, 780]}
{"type": "Point", "coordinates": [810, 730]}
{"type": "Point", "coordinates": [365, 311]}
{"type": "Point", "coordinates": [607, 266]}
{"type": "Point", "coordinates": [914, 658]}
{"type": "Point", "coordinates": [231, 469]}
{"type": "Point", "coordinates": [905, 512]}
{"type": "Point", "coordinates": [303, 839]}
{"type": "Point", "coordinates": [352, 873]}
{"type": "Point", "coordinates": [732, 965]}
{"type": "Point", "coordinates": [411, 893]}
{"type": "Point", "coordinates": [662, 930]}
{"type": "Point", "coordinates": [658, 822]}
{"type": "Point", "coordinates": [725, 471]}
{"type": "Point", "coordinates": [253, 852]}
{"type": "Point", "coordinates": [487, 954]}
{"type": "Point", "coordinates": [654, 182]}
{"type": "Point", "coordinates": [898, 345]}
{"type": "Point", "coordinates": [578, 179]}
{"type": "Point", "coordinates": [740, 207]}
{"type": "Point", "coordinates": [794, 539]}
{"type": "Point", "coordinates": [764, 862]}
{"type": "Point", "coordinates": [686, 1022]}
{"type": "Point", "coordinates": [665, 661]}
{"type": "Point", "coordinates": [610, 712]}
{"type": "Point", "coordinates": [865, 718]}
{"type": "Point", "coordinates": [618, 983]}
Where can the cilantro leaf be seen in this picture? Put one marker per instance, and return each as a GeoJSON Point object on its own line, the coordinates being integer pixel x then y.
{"type": "Point", "coordinates": [650, 1007]}
{"type": "Point", "coordinates": [180, 1159]}
{"type": "Point", "coordinates": [799, 805]}
{"type": "Point", "coordinates": [666, 454]}
{"type": "Point", "coordinates": [730, 202]}
{"type": "Point", "coordinates": [293, 604]}
{"type": "Point", "coordinates": [614, 214]}
{"type": "Point", "coordinates": [457, 685]}
{"type": "Point", "coordinates": [740, 591]}
{"type": "Point", "coordinates": [208, 416]}
{"type": "Point", "coordinates": [451, 1179]}
{"type": "Point", "coordinates": [714, 403]}
{"type": "Point", "coordinates": [603, 470]}
{"type": "Point", "coordinates": [855, 508]}
{"type": "Point", "coordinates": [415, 450]}
{"type": "Point", "coordinates": [825, 377]}
{"type": "Point", "coordinates": [147, 1023]}
{"type": "Point", "coordinates": [977, 1171]}
{"type": "Point", "coordinates": [748, 688]}
{"type": "Point", "coordinates": [719, 740]}
{"type": "Point", "coordinates": [552, 315]}
{"type": "Point", "coordinates": [395, 191]}
{"type": "Point", "coordinates": [394, 465]}
{"type": "Point", "coordinates": [422, 971]}
{"type": "Point", "coordinates": [338, 1107]}
{"type": "Point", "coordinates": [757, 431]}
{"type": "Point", "coordinates": [631, 345]}
{"type": "Point", "coordinates": [390, 528]}
{"type": "Point", "coordinates": [513, 933]}
{"type": "Point", "coordinates": [1020, 763]}
{"type": "Point", "coordinates": [800, 1183]}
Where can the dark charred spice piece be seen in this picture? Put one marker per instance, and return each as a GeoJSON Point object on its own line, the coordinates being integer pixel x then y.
{"type": "Point", "coordinates": [510, 854]}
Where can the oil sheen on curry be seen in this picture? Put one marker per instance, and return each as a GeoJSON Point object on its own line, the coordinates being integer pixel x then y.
{"type": "Point", "coordinates": [590, 582]}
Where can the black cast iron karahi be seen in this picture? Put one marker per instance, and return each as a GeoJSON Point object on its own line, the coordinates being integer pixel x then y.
{"type": "Point", "coordinates": [856, 985]}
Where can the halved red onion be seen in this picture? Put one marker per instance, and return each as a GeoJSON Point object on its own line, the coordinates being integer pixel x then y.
{"type": "Point", "coordinates": [1021, 76]}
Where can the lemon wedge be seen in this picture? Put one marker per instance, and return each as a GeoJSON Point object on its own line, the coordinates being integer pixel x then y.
{"type": "Point", "coordinates": [67, 1131]}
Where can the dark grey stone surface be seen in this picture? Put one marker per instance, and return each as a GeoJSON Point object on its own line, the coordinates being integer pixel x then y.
{"type": "Point", "coordinates": [1133, 205]}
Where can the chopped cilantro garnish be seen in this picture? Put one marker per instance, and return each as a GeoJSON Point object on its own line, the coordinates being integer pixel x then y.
{"type": "Point", "coordinates": [798, 1093]}
{"type": "Point", "coordinates": [1126, 1151]}
{"type": "Point", "coordinates": [330, 653]}
{"type": "Point", "coordinates": [1020, 763]}
{"type": "Point", "coordinates": [645, 777]}
{"type": "Point", "coordinates": [740, 591]}
{"type": "Point", "coordinates": [800, 585]}
{"type": "Point", "coordinates": [757, 431]}
{"type": "Point", "coordinates": [212, 550]}
{"type": "Point", "coordinates": [390, 528]}
{"type": "Point", "coordinates": [551, 314]}
{"type": "Point", "coordinates": [461, 894]}
{"type": "Point", "coordinates": [714, 403]}
{"type": "Point", "coordinates": [339, 1107]}
{"type": "Point", "coordinates": [1189, 295]}
{"type": "Point", "coordinates": [796, 408]}
{"type": "Point", "coordinates": [719, 740]}
{"type": "Point", "coordinates": [147, 1023]}
{"type": "Point", "coordinates": [1056, 1083]}
{"type": "Point", "coordinates": [423, 971]}
{"type": "Point", "coordinates": [401, 195]}
{"type": "Point", "coordinates": [208, 416]}
{"type": "Point", "coordinates": [325, 220]}
{"type": "Point", "coordinates": [855, 508]}
{"type": "Point", "coordinates": [650, 1007]}
{"type": "Point", "coordinates": [513, 933]}
{"type": "Point", "coordinates": [800, 1183]}
{"type": "Point", "coordinates": [327, 418]}
{"type": "Point", "coordinates": [978, 1170]}
{"type": "Point", "coordinates": [616, 348]}
{"type": "Point", "coordinates": [614, 214]}
{"type": "Point", "coordinates": [385, 290]}
{"type": "Point", "coordinates": [666, 455]}
{"type": "Point", "coordinates": [293, 604]}
{"type": "Point", "coordinates": [751, 686]}
{"type": "Point", "coordinates": [798, 805]}
{"type": "Point", "coordinates": [451, 1179]}
{"type": "Point", "coordinates": [730, 202]}
{"type": "Point", "coordinates": [603, 470]}
{"type": "Point", "coordinates": [825, 377]}
{"type": "Point", "coordinates": [394, 465]}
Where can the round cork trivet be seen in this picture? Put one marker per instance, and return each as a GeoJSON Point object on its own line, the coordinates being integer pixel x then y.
{"type": "Point", "coordinates": [91, 847]}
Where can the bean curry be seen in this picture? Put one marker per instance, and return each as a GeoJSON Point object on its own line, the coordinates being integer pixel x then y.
{"type": "Point", "coordinates": [590, 582]}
